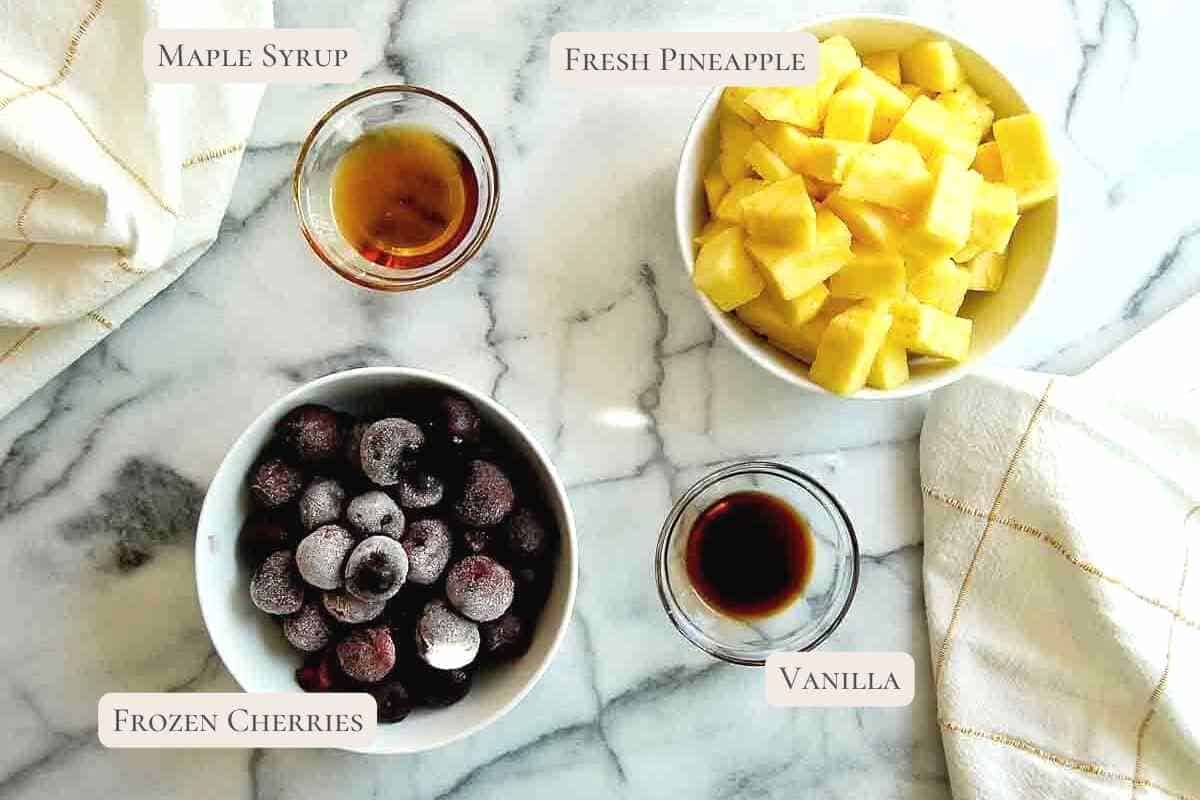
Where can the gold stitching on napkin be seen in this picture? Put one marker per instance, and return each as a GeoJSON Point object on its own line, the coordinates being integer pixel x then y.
{"type": "Point", "coordinates": [68, 57]}
{"type": "Point", "coordinates": [18, 344]}
{"type": "Point", "coordinates": [1062, 549]}
{"type": "Point", "coordinates": [104, 321]}
{"type": "Point", "coordinates": [213, 153]}
{"type": "Point", "coordinates": [33, 195]}
{"type": "Point", "coordinates": [944, 650]}
{"type": "Point", "coordinates": [24, 251]}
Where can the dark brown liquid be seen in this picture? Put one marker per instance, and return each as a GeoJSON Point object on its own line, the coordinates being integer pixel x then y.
{"type": "Point", "coordinates": [749, 554]}
{"type": "Point", "coordinates": [403, 196]}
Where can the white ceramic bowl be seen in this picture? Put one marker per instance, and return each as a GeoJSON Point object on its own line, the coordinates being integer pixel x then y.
{"type": "Point", "coordinates": [251, 644]}
{"type": "Point", "coordinates": [995, 314]}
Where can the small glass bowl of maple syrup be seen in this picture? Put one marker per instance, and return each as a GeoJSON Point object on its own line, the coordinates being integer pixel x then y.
{"type": "Point", "coordinates": [756, 558]}
{"type": "Point", "coordinates": [396, 187]}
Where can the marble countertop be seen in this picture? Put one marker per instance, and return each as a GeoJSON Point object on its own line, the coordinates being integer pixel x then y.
{"type": "Point", "coordinates": [579, 318]}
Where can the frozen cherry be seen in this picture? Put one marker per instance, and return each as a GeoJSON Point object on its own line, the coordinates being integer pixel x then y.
{"type": "Point", "coordinates": [367, 654]}
{"type": "Point", "coordinates": [525, 535]}
{"type": "Point", "coordinates": [420, 490]}
{"type": "Point", "coordinates": [349, 610]}
{"type": "Point", "coordinates": [321, 503]}
{"type": "Point", "coordinates": [502, 638]}
{"type": "Point", "coordinates": [375, 513]}
{"type": "Point", "coordinates": [275, 483]}
{"type": "Point", "coordinates": [312, 432]}
{"type": "Point", "coordinates": [428, 545]}
{"type": "Point", "coordinates": [459, 420]}
{"type": "Point", "coordinates": [445, 687]}
{"type": "Point", "coordinates": [262, 534]}
{"type": "Point", "coordinates": [321, 554]}
{"type": "Point", "coordinates": [392, 701]}
{"type": "Point", "coordinates": [276, 587]}
{"type": "Point", "coordinates": [318, 673]}
{"type": "Point", "coordinates": [307, 629]}
{"type": "Point", "coordinates": [376, 569]}
{"type": "Point", "coordinates": [480, 588]}
{"type": "Point", "coordinates": [389, 447]}
{"type": "Point", "coordinates": [487, 495]}
{"type": "Point", "coordinates": [444, 639]}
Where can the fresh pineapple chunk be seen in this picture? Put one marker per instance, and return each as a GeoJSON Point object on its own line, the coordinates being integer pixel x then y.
{"type": "Point", "coordinates": [848, 349]}
{"type": "Point", "coordinates": [711, 229]}
{"type": "Point", "coordinates": [971, 110]}
{"type": "Point", "coordinates": [838, 59]}
{"type": "Point", "coordinates": [793, 271]}
{"type": "Point", "coordinates": [986, 271]}
{"type": "Point", "coordinates": [994, 217]}
{"type": "Point", "coordinates": [733, 99]}
{"type": "Point", "coordinates": [828, 159]}
{"type": "Point", "coordinates": [890, 174]}
{"type": "Point", "coordinates": [725, 273]}
{"type": "Point", "coordinates": [801, 309]}
{"type": "Point", "coordinates": [796, 105]}
{"type": "Point", "coordinates": [849, 114]}
{"type": "Point", "coordinates": [870, 274]}
{"type": "Point", "coordinates": [943, 224]}
{"type": "Point", "coordinates": [928, 331]}
{"type": "Point", "coordinates": [932, 129]}
{"type": "Point", "coordinates": [913, 91]}
{"type": "Point", "coordinates": [715, 187]}
{"type": "Point", "coordinates": [785, 140]}
{"type": "Point", "coordinates": [940, 284]}
{"type": "Point", "coordinates": [987, 162]}
{"type": "Point", "coordinates": [890, 102]}
{"type": "Point", "coordinates": [890, 368]}
{"type": "Point", "coordinates": [730, 208]}
{"type": "Point", "coordinates": [766, 163]}
{"type": "Point", "coordinates": [876, 226]}
{"type": "Point", "coordinates": [1025, 157]}
{"type": "Point", "coordinates": [885, 64]}
{"type": "Point", "coordinates": [818, 189]}
{"type": "Point", "coordinates": [767, 318]}
{"type": "Point", "coordinates": [931, 65]}
{"type": "Point", "coordinates": [782, 213]}
{"type": "Point", "coordinates": [736, 138]}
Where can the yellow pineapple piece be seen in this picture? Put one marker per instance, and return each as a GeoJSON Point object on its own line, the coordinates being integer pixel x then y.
{"type": "Point", "coordinates": [796, 105]}
{"type": "Point", "coordinates": [885, 64]}
{"type": "Point", "coordinates": [785, 140]}
{"type": "Point", "coordinates": [994, 217]}
{"type": "Point", "coordinates": [848, 349]}
{"type": "Point", "coordinates": [782, 213]}
{"type": "Point", "coordinates": [890, 102]}
{"type": "Point", "coordinates": [725, 273]}
{"type": "Point", "coordinates": [818, 189]}
{"type": "Point", "coordinates": [932, 65]}
{"type": "Point", "coordinates": [940, 284]}
{"type": "Point", "coordinates": [970, 109]}
{"type": "Point", "coordinates": [1025, 156]}
{"type": "Point", "coordinates": [870, 274]}
{"type": "Point", "coordinates": [767, 318]}
{"type": "Point", "coordinates": [929, 127]}
{"type": "Point", "coordinates": [715, 187]}
{"type": "Point", "coordinates": [849, 114]}
{"type": "Point", "coordinates": [711, 229]}
{"type": "Point", "coordinates": [890, 368]}
{"type": "Point", "coordinates": [889, 173]}
{"type": "Point", "coordinates": [928, 331]}
{"type": "Point", "coordinates": [733, 99]}
{"type": "Point", "coordinates": [913, 91]}
{"type": "Point", "coordinates": [766, 163]}
{"type": "Point", "coordinates": [802, 308]}
{"type": "Point", "coordinates": [793, 271]}
{"type": "Point", "coordinates": [943, 224]}
{"type": "Point", "coordinates": [828, 159]}
{"type": "Point", "coordinates": [838, 59]}
{"type": "Point", "coordinates": [987, 162]}
{"type": "Point", "coordinates": [736, 137]}
{"type": "Point", "coordinates": [986, 271]}
{"type": "Point", "coordinates": [876, 226]}
{"type": "Point", "coordinates": [730, 207]}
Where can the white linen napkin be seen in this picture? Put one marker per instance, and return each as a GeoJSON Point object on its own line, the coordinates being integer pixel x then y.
{"type": "Point", "coordinates": [1062, 576]}
{"type": "Point", "coordinates": [110, 186]}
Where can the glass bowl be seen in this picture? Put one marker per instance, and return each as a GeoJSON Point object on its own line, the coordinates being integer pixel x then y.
{"type": "Point", "coordinates": [801, 625]}
{"type": "Point", "coordinates": [338, 129]}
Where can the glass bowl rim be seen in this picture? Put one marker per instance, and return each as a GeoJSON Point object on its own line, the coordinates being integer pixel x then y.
{"type": "Point", "coordinates": [690, 630]}
{"type": "Point", "coordinates": [487, 217]}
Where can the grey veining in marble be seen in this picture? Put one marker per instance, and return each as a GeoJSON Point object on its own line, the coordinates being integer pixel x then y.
{"type": "Point", "coordinates": [578, 317]}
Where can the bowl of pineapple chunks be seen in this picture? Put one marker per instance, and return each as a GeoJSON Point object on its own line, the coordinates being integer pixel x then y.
{"type": "Point", "coordinates": [879, 232]}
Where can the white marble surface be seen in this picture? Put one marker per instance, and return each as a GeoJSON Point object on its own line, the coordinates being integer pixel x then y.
{"type": "Point", "coordinates": [579, 318]}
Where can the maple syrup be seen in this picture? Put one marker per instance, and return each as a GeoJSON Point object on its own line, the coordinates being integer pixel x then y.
{"type": "Point", "coordinates": [403, 196]}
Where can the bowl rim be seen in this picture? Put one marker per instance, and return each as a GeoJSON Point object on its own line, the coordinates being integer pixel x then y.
{"type": "Point", "coordinates": [560, 498]}
{"type": "Point", "coordinates": [487, 214]}
{"type": "Point", "coordinates": [757, 351]}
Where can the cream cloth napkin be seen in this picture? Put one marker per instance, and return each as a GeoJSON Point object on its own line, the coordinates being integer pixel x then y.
{"type": "Point", "coordinates": [110, 186]}
{"type": "Point", "coordinates": [1062, 575]}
